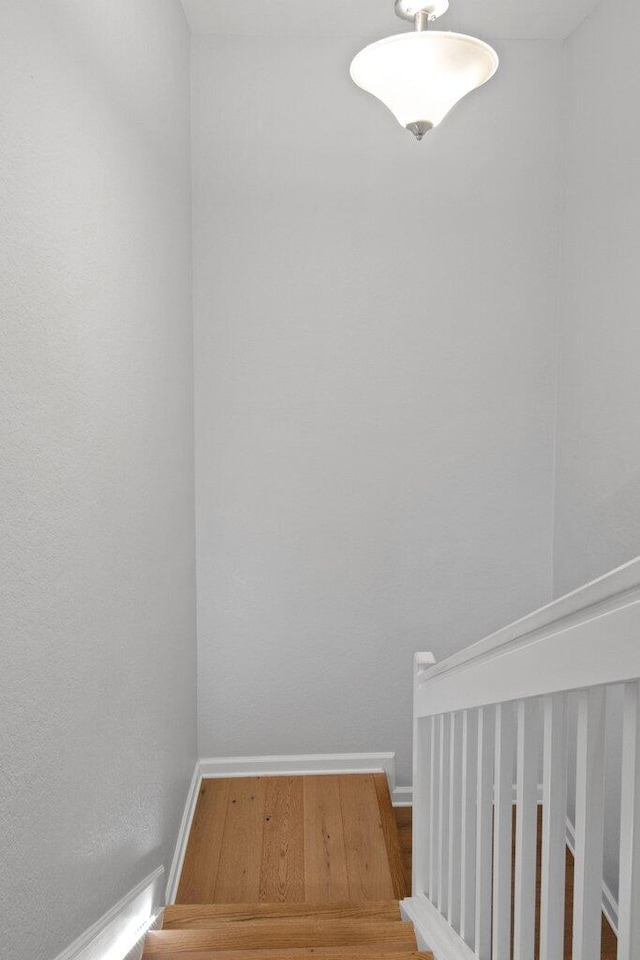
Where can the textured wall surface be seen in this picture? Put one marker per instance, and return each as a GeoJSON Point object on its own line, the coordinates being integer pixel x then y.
{"type": "Point", "coordinates": [597, 514]}
{"type": "Point", "coordinates": [97, 622]}
{"type": "Point", "coordinates": [597, 524]}
{"type": "Point", "coordinates": [375, 378]}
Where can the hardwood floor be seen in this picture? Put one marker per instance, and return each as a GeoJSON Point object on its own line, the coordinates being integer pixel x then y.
{"type": "Point", "coordinates": [609, 942]}
{"type": "Point", "coordinates": [319, 839]}
{"type": "Point", "coordinates": [403, 816]}
{"type": "Point", "coordinates": [307, 868]}
{"type": "Point", "coordinates": [191, 916]}
{"type": "Point", "coordinates": [286, 934]}
{"type": "Point", "coordinates": [302, 865]}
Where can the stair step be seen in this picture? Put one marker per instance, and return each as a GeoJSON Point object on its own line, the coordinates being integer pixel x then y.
{"type": "Point", "coordinates": [322, 953]}
{"type": "Point", "coordinates": [325, 953]}
{"type": "Point", "coordinates": [281, 934]}
{"type": "Point", "coordinates": [383, 951]}
{"type": "Point", "coordinates": [190, 916]}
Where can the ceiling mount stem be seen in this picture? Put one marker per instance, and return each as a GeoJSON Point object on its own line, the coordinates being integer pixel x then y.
{"type": "Point", "coordinates": [421, 20]}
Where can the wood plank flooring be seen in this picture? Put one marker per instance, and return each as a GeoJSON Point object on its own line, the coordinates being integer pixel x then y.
{"type": "Point", "coordinates": [609, 942]}
{"type": "Point", "coordinates": [403, 818]}
{"type": "Point", "coordinates": [285, 934]}
{"type": "Point", "coordinates": [318, 839]}
{"type": "Point", "coordinates": [191, 916]}
{"type": "Point", "coordinates": [326, 876]}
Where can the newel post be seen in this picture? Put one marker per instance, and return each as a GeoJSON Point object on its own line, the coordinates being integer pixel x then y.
{"type": "Point", "coordinates": [422, 842]}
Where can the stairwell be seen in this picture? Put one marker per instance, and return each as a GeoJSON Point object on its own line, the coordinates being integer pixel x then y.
{"type": "Point", "coordinates": [327, 847]}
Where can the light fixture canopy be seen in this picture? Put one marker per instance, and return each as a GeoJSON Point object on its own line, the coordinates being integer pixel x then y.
{"type": "Point", "coordinates": [409, 9]}
{"type": "Point", "coordinates": [420, 76]}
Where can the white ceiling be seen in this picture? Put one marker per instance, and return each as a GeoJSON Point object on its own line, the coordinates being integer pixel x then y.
{"type": "Point", "coordinates": [499, 19]}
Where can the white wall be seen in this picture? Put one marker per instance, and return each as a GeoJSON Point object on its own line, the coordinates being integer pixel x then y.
{"type": "Point", "coordinates": [597, 520]}
{"type": "Point", "coordinates": [97, 684]}
{"type": "Point", "coordinates": [597, 525]}
{"type": "Point", "coordinates": [375, 384]}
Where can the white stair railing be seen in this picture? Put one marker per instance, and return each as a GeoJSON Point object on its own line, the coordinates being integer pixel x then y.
{"type": "Point", "coordinates": [517, 723]}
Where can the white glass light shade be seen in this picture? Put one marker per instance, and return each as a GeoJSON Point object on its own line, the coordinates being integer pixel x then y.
{"type": "Point", "coordinates": [421, 76]}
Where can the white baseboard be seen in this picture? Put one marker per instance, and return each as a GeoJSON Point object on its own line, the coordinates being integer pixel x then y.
{"type": "Point", "coordinates": [402, 796]}
{"type": "Point", "coordinates": [317, 764]}
{"type": "Point", "coordinates": [183, 835]}
{"type": "Point", "coordinates": [433, 931]}
{"type": "Point", "coordinates": [119, 934]}
{"type": "Point", "coordinates": [310, 764]}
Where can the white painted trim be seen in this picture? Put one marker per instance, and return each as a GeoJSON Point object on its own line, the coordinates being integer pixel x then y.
{"type": "Point", "coordinates": [402, 797]}
{"type": "Point", "coordinates": [594, 652]}
{"type": "Point", "coordinates": [433, 932]}
{"type": "Point", "coordinates": [609, 902]}
{"type": "Point", "coordinates": [613, 590]}
{"type": "Point", "coordinates": [120, 932]}
{"type": "Point", "coordinates": [183, 835]}
{"type": "Point", "coordinates": [309, 764]}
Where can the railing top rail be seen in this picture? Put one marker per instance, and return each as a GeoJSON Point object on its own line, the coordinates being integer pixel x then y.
{"type": "Point", "coordinates": [613, 589]}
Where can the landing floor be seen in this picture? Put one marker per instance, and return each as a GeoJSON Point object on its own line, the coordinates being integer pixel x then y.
{"type": "Point", "coordinates": [318, 839]}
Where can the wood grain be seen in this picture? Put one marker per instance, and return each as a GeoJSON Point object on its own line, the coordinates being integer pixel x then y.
{"type": "Point", "coordinates": [282, 867]}
{"type": "Point", "coordinates": [399, 879]}
{"type": "Point", "coordinates": [383, 951]}
{"type": "Point", "coordinates": [368, 868]}
{"type": "Point", "coordinates": [202, 915]}
{"type": "Point", "coordinates": [282, 934]}
{"type": "Point", "coordinates": [325, 861]}
{"type": "Point", "coordinates": [238, 879]}
{"type": "Point", "coordinates": [317, 839]}
{"type": "Point", "coordinates": [200, 870]}
{"type": "Point", "coordinates": [403, 818]}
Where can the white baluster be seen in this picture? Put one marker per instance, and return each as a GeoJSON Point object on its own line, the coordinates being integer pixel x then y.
{"type": "Point", "coordinates": [629, 898]}
{"type": "Point", "coordinates": [422, 810]}
{"type": "Point", "coordinates": [453, 893]}
{"type": "Point", "coordinates": [434, 819]}
{"type": "Point", "coordinates": [422, 806]}
{"type": "Point", "coordinates": [468, 827]}
{"type": "Point", "coordinates": [443, 806]}
{"type": "Point", "coordinates": [587, 895]}
{"type": "Point", "coordinates": [484, 833]}
{"type": "Point", "coordinates": [526, 832]}
{"type": "Point", "coordinates": [503, 832]}
{"type": "Point", "coordinates": [554, 814]}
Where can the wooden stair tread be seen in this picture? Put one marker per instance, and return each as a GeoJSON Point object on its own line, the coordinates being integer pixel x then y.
{"type": "Point", "coordinates": [386, 951]}
{"type": "Point", "coordinates": [335, 953]}
{"type": "Point", "coordinates": [322, 953]}
{"type": "Point", "coordinates": [283, 933]}
{"type": "Point", "coordinates": [182, 916]}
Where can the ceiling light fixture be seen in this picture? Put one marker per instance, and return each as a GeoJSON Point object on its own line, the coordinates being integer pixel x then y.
{"type": "Point", "coordinates": [420, 76]}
